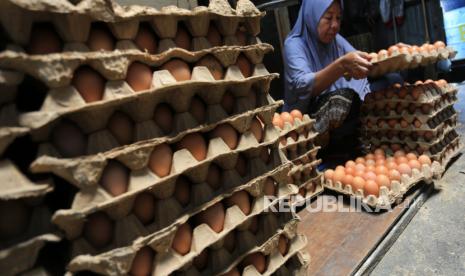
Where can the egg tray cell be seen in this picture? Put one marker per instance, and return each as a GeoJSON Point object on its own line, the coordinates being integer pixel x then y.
{"type": "Point", "coordinates": [301, 174]}
{"type": "Point", "coordinates": [411, 138]}
{"type": "Point", "coordinates": [428, 123]}
{"type": "Point", "coordinates": [449, 153]}
{"type": "Point", "coordinates": [57, 71]}
{"type": "Point", "coordinates": [275, 259]}
{"type": "Point", "coordinates": [430, 149]}
{"type": "Point", "coordinates": [304, 146]}
{"type": "Point", "coordinates": [23, 256]}
{"type": "Point", "coordinates": [297, 265]}
{"type": "Point", "coordinates": [411, 115]}
{"type": "Point", "coordinates": [388, 197]}
{"type": "Point", "coordinates": [407, 61]}
{"type": "Point", "coordinates": [299, 126]}
{"type": "Point", "coordinates": [246, 243]}
{"type": "Point", "coordinates": [309, 190]}
{"type": "Point", "coordinates": [141, 112]}
{"type": "Point", "coordinates": [73, 22]}
{"type": "Point", "coordinates": [167, 260]}
{"type": "Point", "coordinates": [432, 93]}
{"type": "Point", "coordinates": [120, 210]}
{"type": "Point", "coordinates": [86, 171]}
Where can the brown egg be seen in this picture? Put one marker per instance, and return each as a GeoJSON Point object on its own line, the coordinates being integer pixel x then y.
{"type": "Point", "coordinates": [350, 164]}
{"type": "Point", "coordinates": [198, 110]}
{"type": "Point", "coordinates": [160, 160]}
{"type": "Point", "coordinates": [350, 170]}
{"type": "Point", "coordinates": [182, 191]}
{"type": "Point", "coordinates": [244, 65]}
{"type": "Point", "coordinates": [282, 140]}
{"type": "Point", "coordinates": [403, 92]}
{"type": "Point", "coordinates": [179, 69]}
{"type": "Point", "coordinates": [139, 76]}
{"type": "Point", "coordinates": [213, 216]}
{"type": "Point", "coordinates": [265, 155]}
{"type": "Point", "coordinates": [214, 177]}
{"type": "Point", "coordinates": [241, 166]}
{"type": "Point", "coordinates": [370, 166]}
{"type": "Point", "coordinates": [227, 102]}
{"type": "Point", "coordinates": [195, 144]}
{"type": "Point", "coordinates": [393, 50]}
{"type": "Point", "coordinates": [439, 45]}
{"type": "Point", "coordinates": [329, 174]}
{"type": "Point", "coordinates": [392, 123]}
{"type": "Point", "coordinates": [423, 159]}
{"type": "Point", "coordinates": [146, 39]}
{"type": "Point", "coordinates": [115, 178]}
{"type": "Point", "coordinates": [163, 116]}
{"type": "Point", "coordinates": [142, 264]}
{"type": "Point", "coordinates": [183, 38]}
{"type": "Point", "coordinates": [89, 84]}
{"type": "Point", "coordinates": [44, 40]}
{"type": "Point", "coordinates": [383, 180]}
{"type": "Point", "coordinates": [417, 123]}
{"type": "Point", "coordinates": [369, 176]}
{"type": "Point", "coordinates": [381, 170]}
{"type": "Point", "coordinates": [358, 183]}
{"type": "Point", "coordinates": [283, 245]}
{"type": "Point", "coordinates": [391, 165]}
{"type": "Point", "coordinates": [98, 230]}
{"type": "Point", "coordinates": [241, 199]}
{"type": "Point", "coordinates": [214, 36]}
{"type": "Point", "coordinates": [144, 208]}
{"type": "Point", "coordinates": [258, 260]}
{"type": "Point", "coordinates": [414, 164]}
{"type": "Point", "coordinates": [371, 188]}
{"type": "Point", "coordinates": [348, 179]}
{"type": "Point", "coordinates": [373, 57]}
{"type": "Point", "coordinates": [401, 160]}
{"type": "Point", "coordinates": [411, 156]}
{"type": "Point", "coordinates": [100, 38]}
{"type": "Point", "coordinates": [252, 98]}
{"type": "Point", "coordinates": [69, 140]}
{"type": "Point", "coordinates": [383, 54]}
{"type": "Point", "coordinates": [370, 156]}
{"type": "Point", "coordinates": [404, 123]}
{"type": "Point", "coordinates": [122, 127]}
{"type": "Point", "coordinates": [213, 65]}
{"type": "Point", "coordinates": [227, 133]}
{"type": "Point", "coordinates": [338, 175]}
{"type": "Point", "coordinates": [404, 168]}
{"type": "Point", "coordinates": [399, 153]}
{"type": "Point", "coordinates": [229, 242]}
{"type": "Point", "coordinates": [201, 261]}
{"type": "Point", "coordinates": [14, 219]}
{"type": "Point", "coordinates": [360, 167]}
{"type": "Point", "coordinates": [241, 37]}
{"type": "Point", "coordinates": [232, 272]}
{"type": "Point", "coordinates": [380, 161]}
{"type": "Point", "coordinates": [256, 129]}
{"type": "Point", "coordinates": [269, 187]}
{"type": "Point", "coordinates": [360, 160]}
{"type": "Point", "coordinates": [287, 118]}
{"type": "Point", "coordinates": [296, 114]}
{"type": "Point", "coordinates": [340, 168]}
{"type": "Point", "coordinates": [379, 152]}
{"type": "Point", "coordinates": [394, 175]}
{"type": "Point", "coordinates": [182, 239]}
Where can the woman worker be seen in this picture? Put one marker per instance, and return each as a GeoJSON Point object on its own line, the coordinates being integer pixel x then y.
{"type": "Point", "coordinates": [318, 62]}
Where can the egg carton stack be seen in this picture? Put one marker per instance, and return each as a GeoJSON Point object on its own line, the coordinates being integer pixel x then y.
{"type": "Point", "coordinates": [416, 118]}
{"type": "Point", "coordinates": [398, 58]}
{"type": "Point", "coordinates": [297, 142]}
{"type": "Point", "coordinates": [172, 147]}
{"type": "Point", "coordinates": [25, 221]}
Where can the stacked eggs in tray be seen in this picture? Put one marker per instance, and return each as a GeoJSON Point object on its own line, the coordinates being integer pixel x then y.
{"type": "Point", "coordinates": [416, 118]}
{"type": "Point", "coordinates": [297, 142]}
{"type": "Point", "coordinates": [402, 57]}
{"type": "Point", "coordinates": [162, 121]}
{"type": "Point", "coordinates": [25, 226]}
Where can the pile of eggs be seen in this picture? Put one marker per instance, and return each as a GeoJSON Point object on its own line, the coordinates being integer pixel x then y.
{"type": "Point", "coordinates": [279, 120]}
{"type": "Point", "coordinates": [375, 170]}
{"type": "Point", "coordinates": [395, 50]}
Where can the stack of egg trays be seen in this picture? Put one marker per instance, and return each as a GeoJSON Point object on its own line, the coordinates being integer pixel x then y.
{"type": "Point", "coordinates": [402, 61]}
{"type": "Point", "coordinates": [297, 142]}
{"type": "Point", "coordinates": [439, 123]}
{"type": "Point", "coordinates": [64, 103]}
{"type": "Point", "coordinates": [18, 195]}
{"type": "Point", "coordinates": [388, 197]}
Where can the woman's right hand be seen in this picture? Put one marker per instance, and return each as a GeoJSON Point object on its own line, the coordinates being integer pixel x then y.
{"type": "Point", "coordinates": [356, 64]}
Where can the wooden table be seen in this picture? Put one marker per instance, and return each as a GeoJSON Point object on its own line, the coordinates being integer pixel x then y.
{"type": "Point", "coordinates": [348, 243]}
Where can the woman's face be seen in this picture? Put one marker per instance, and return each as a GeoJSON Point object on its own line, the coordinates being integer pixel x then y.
{"type": "Point", "coordinates": [330, 23]}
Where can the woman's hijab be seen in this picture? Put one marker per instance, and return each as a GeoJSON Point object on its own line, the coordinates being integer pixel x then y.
{"type": "Point", "coordinates": [305, 55]}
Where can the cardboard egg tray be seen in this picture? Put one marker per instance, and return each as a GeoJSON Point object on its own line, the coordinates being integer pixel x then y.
{"type": "Point", "coordinates": [449, 152]}
{"type": "Point", "coordinates": [120, 210]}
{"type": "Point", "coordinates": [275, 259]}
{"type": "Point", "coordinates": [428, 123]}
{"type": "Point", "coordinates": [73, 22]}
{"type": "Point", "coordinates": [297, 151]}
{"type": "Point", "coordinates": [300, 126]}
{"type": "Point", "coordinates": [307, 157]}
{"type": "Point", "coordinates": [309, 190]}
{"type": "Point", "coordinates": [398, 189]}
{"type": "Point", "coordinates": [431, 94]}
{"type": "Point", "coordinates": [118, 261]}
{"type": "Point", "coordinates": [85, 171]}
{"type": "Point", "coordinates": [412, 139]}
{"type": "Point", "coordinates": [297, 265]}
{"type": "Point", "coordinates": [301, 174]}
{"type": "Point", "coordinates": [223, 258]}
{"type": "Point", "coordinates": [407, 61]}
{"type": "Point", "coordinates": [113, 66]}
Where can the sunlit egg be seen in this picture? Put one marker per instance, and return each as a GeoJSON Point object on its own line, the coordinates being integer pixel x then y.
{"type": "Point", "coordinates": [358, 183]}
{"type": "Point", "coordinates": [371, 188]}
